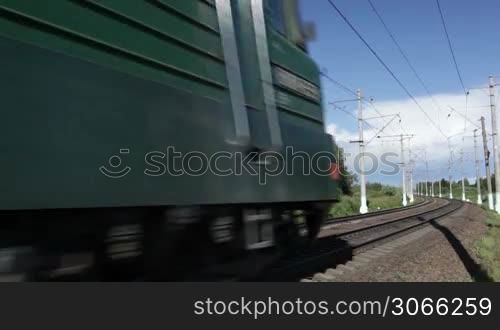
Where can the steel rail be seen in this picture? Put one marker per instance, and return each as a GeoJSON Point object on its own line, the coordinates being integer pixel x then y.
{"type": "Point", "coordinates": [341, 247]}
{"type": "Point", "coordinates": [349, 218]}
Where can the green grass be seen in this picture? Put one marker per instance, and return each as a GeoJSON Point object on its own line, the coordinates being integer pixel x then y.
{"type": "Point", "coordinates": [379, 198]}
{"type": "Point", "coordinates": [488, 247]}
{"type": "Point", "coordinates": [470, 192]}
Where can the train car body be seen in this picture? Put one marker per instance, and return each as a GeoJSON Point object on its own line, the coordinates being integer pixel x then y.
{"type": "Point", "coordinates": [99, 97]}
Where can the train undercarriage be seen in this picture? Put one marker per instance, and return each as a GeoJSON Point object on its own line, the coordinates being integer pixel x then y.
{"type": "Point", "coordinates": [154, 244]}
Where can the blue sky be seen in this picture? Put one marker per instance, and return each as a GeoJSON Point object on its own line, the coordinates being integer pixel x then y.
{"type": "Point", "coordinates": [474, 30]}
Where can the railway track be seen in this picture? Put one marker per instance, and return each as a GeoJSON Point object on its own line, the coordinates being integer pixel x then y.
{"type": "Point", "coordinates": [351, 218]}
{"type": "Point", "coordinates": [339, 242]}
{"type": "Point", "coordinates": [340, 246]}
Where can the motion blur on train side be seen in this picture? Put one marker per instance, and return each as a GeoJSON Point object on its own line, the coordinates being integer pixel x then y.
{"type": "Point", "coordinates": [96, 92]}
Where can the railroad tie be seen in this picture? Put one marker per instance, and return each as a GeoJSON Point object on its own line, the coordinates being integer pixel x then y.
{"type": "Point", "coordinates": [383, 249]}
{"type": "Point", "coordinates": [355, 264]}
{"type": "Point", "coordinates": [346, 268]}
{"type": "Point", "coordinates": [319, 277]}
{"type": "Point", "coordinates": [334, 272]}
{"type": "Point", "coordinates": [373, 254]}
{"type": "Point", "coordinates": [361, 259]}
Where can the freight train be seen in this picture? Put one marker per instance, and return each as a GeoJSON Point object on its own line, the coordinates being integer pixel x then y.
{"type": "Point", "coordinates": [102, 99]}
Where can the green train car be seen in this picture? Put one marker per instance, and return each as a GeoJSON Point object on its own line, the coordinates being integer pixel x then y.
{"type": "Point", "coordinates": [111, 110]}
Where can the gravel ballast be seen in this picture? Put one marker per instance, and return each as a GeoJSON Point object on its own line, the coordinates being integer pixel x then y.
{"type": "Point", "coordinates": [443, 252]}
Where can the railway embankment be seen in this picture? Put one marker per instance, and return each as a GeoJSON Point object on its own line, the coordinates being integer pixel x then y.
{"type": "Point", "coordinates": [462, 247]}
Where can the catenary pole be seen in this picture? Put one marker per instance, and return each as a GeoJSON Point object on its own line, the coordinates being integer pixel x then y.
{"type": "Point", "coordinates": [487, 164]}
{"type": "Point", "coordinates": [478, 171]}
{"type": "Point", "coordinates": [362, 179]}
{"type": "Point", "coordinates": [464, 198]}
{"type": "Point", "coordinates": [496, 143]}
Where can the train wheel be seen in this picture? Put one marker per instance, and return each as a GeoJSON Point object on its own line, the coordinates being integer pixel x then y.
{"type": "Point", "coordinates": [226, 232]}
{"type": "Point", "coordinates": [119, 252]}
{"type": "Point", "coordinates": [185, 244]}
{"type": "Point", "coordinates": [288, 235]}
{"type": "Point", "coordinates": [295, 229]}
{"type": "Point", "coordinates": [172, 243]}
{"type": "Point", "coordinates": [316, 217]}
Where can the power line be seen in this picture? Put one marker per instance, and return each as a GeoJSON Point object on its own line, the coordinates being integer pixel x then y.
{"type": "Point", "coordinates": [403, 54]}
{"type": "Point", "coordinates": [385, 65]}
{"type": "Point", "coordinates": [353, 116]}
{"type": "Point", "coordinates": [348, 90]}
{"type": "Point", "coordinates": [342, 86]}
{"type": "Point", "coordinates": [451, 47]}
{"type": "Point", "coordinates": [454, 61]}
{"type": "Point", "coordinates": [380, 114]}
{"type": "Point", "coordinates": [351, 91]}
{"type": "Point", "coordinates": [465, 118]}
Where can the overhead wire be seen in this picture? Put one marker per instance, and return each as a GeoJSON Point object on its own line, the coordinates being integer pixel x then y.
{"type": "Point", "coordinates": [387, 68]}
{"type": "Point", "coordinates": [354, 93]}
{"type": "Point", "coordinates": [403, 54]}
{"type": "Point", "coordinates": [450, 46]}
{"type": "Point", "coordinates": [452, 51]}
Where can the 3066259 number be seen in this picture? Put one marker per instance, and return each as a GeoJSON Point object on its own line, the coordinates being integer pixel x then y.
{"type": "Point", "coordinates": [442, 307]}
